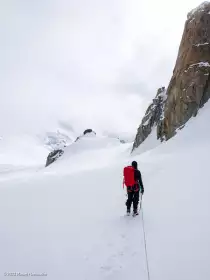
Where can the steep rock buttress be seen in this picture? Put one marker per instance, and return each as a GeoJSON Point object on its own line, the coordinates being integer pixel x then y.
{"type": "Point", "coordinates": [152, 118]}
{"type": "Point", "coordinates": [189, 88]}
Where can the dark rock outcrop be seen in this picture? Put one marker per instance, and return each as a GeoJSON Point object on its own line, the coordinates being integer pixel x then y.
{"type": "Point", "coordinates": [152, 118]}
{"type": "Point", "coordinates": [88, 131]}
{"type": "Point", "coordinates": [189, 88]}
{"type": "Point", "coordinates": [53, 156]}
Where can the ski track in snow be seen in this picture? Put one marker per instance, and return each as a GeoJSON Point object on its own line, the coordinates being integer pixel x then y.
{"type": "Point", "coordinates": [70, 229]}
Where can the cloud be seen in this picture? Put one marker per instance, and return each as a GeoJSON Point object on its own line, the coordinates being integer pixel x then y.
{"type": "Point", "coordinates": [86, 63]}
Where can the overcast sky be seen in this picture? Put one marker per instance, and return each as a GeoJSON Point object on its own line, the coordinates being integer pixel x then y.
{"type": "Point", "coordinates": [89, 63]}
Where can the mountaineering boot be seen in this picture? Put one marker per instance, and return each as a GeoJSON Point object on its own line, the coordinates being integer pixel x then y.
{"type": "Point", "coordinates": [135, 213]}
{"type": "Point", "coordinates": [128, 212]}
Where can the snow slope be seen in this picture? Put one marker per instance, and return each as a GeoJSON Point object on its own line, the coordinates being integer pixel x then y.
{"type": "Point", "coordinates": [176, 204]}
{"type": "Point", "coordinates": [20, 155]}
{"type": "Point", "coordinates": [21, 149]}
{"type": "Point", "coordinates": [68, 220]}
{"type": "Point", "coordinates": [70, 223]}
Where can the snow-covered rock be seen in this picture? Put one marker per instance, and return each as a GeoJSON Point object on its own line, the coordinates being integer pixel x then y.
{"type": "Point", "coordinates": [152, 118]}
{"type": "Point", "coordinates": [56, 140]}
{"type": "Point", "coordinates": [53, 156]}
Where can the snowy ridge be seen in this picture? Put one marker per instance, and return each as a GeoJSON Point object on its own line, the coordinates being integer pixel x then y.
{"type": "Point", "coordinates": [89, 152]}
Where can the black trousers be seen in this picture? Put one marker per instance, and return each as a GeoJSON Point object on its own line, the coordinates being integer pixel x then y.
{"type": "Point", "coordinates": [133, 197]}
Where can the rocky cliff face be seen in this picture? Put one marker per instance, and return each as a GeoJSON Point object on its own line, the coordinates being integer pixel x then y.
{"type": "Point", "coordinates": [152, 118]}
{"type": "Point", "coordinates": [189, 88]}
